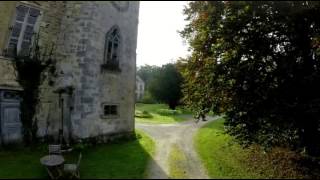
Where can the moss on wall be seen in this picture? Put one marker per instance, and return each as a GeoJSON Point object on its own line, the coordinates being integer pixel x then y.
{"type": "Point", "coordinates": [7, 9]}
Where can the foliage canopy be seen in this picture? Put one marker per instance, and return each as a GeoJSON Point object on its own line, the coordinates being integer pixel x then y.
{"type": "Point", "coordinates": [166, 85]}
{"type": "Point", "coordinates": [258, 63]}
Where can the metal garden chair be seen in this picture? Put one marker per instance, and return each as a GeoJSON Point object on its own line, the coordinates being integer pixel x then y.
{"type": "Point", "coordinates": [73, 170]}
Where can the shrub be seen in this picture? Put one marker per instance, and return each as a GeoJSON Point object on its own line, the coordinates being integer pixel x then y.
{"type": "Point", "coordinates": [185, 110]}
{"type": "Point", "coordinates": [281, 163]}
{"type": "Point", "coordinates": [168, 112]}
{"type": "Point", "coordinates": [80, 146]}
{"type": "Point", "coordinates": [142, 114]}
{"type": "Point", "coordinates": [147, 99]}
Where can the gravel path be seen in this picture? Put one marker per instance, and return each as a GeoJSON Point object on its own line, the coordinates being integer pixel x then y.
{"type": "Point", "coordinates": [181, 134]}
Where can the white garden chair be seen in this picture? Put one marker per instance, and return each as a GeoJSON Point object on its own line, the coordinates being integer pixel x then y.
{"type": "Point", "coordinates": [73, 169]}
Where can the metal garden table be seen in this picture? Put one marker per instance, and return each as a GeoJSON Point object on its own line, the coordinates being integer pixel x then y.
{"type": "Point", "coordinates": [54, 165]}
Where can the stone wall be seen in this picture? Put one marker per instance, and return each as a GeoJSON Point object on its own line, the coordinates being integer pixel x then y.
{"type": "Point", "coordinates": [7, 73]}
{"type": "Point", "coordinates": [140, 86]}
{"type": "Point", "coordinates": [78, 30]}
{"type": "Point", "coordinates": [52, 12]}
{"type": "Point", "coordinates": [49, 29]}
{"type": "Point", "coordinates": [7, 9]}
{"type": "Point", "coordinates": [48, 113]}
{"type": "Point", "coordinates": [81, 50]}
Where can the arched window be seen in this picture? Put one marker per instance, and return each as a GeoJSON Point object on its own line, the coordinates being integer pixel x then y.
{"type": "Point", "coordinates": [112, 49]}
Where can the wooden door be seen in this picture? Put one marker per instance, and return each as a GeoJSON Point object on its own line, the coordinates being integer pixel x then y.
{"type": "Point", "coordinates": [11, 126]}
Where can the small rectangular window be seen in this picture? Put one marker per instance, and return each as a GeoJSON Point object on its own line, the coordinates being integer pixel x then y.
{"type": "Point", "coordinates": [110, 110]}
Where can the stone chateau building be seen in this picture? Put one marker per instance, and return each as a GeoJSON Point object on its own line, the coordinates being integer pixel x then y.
{"type": "Point", "coordinates": [140, 86]}
{"type": "Point", "coordinates": [95, 48]}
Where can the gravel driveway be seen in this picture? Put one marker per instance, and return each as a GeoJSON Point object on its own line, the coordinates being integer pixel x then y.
{"type": "Point", "coordinates": [181, 134]}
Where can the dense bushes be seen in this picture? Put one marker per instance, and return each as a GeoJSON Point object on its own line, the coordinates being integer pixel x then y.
{"type": "Point", "coordinates": [165, 87]}
{"type": "Point", "coordinates": [257, 62]}
{"type": "Point", "coordinates": [147, 98]}
{"type": "Point", "coordinates": [142, 114]}
{"type": "Point", "coordinates": [167, 112]}
{"type": "Point", "coordinates": [162, 84]}
{"type": "Point", "coordinates": [225, 159]}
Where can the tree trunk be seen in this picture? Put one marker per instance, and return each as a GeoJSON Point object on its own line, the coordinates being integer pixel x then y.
{"type": "Point", "coordinates": [172, 105]}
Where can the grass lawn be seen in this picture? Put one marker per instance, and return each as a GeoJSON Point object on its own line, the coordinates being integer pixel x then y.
{"type": "Point", "coordinates": [119, 160]}
{"type": "Point", "coordinates": [224, 158]}
{"type": "Point", "coordinates": [22, 163]}
{"type": "Point", "coordinates": [220, 155]}
{"type": "Point", "coordinates": [160, 114]}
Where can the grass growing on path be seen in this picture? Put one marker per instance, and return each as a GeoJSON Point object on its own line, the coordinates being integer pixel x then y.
{"type": "Point", "coordinates": [119, 160]}
{"type": "Point", "coordinates": [160, 114]}
{"type": "Point", "coordinates": [220, 155]}
{"type": "Point", "coordinates": [177, 160]}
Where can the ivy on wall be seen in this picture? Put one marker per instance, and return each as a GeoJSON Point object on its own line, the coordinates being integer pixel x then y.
{"type": "Point", "coordinates": [32, 70]}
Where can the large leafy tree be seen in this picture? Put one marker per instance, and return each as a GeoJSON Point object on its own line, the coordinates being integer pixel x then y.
{"type": "Point", "coordinates": [147, 73]}
{"type": "Point", "coordinates": [258, 63]}
{"type": "Point", "coordinates": [166, 85]}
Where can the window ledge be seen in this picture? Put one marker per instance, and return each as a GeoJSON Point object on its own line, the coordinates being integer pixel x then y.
{"type": "Point", "coordinates": [108, 68]}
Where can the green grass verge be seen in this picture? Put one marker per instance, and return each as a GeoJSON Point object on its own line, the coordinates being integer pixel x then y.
{"type": "Point", "coordinates": [177, 160]}
{"type": "Point", "coordinates": [160, 114]}
{"type": "Point", "coordinates": [222, 157]}
{"type": "Point", "coordinates": [119, 160]}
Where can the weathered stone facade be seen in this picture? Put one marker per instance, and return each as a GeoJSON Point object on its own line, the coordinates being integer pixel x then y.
{"type": "Point", "coordinates": [140, 86]}
{"type": "Point", "coordinates": [100, 102]}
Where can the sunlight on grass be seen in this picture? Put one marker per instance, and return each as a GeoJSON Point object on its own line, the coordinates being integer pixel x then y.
{"type": "Point", "coordinates": [222, 157]}
{"type": "Point", "coordinates": [159, 114]}
{"type": "Point", "coordinates": [146, 142]}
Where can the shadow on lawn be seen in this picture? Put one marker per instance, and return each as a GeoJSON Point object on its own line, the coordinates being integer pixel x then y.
{"type": "Point", "coordinates": [125, 159]}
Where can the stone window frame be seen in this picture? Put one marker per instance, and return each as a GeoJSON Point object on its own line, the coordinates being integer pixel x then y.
{"type": "Point", "coordinates": [110, 116]}
{"type": "Point", "coordinates": [111, 39]}
{"type": "Point", "coordinates": [36, 26]}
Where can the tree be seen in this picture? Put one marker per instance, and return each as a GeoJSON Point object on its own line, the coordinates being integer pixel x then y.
{"type": "Point", "coordinates": [147, 73]}
{"type": "Point", "coordinates": [258, 63]}
{"type": "Point", "coordinates": [166, 85]}
{"type": "Point", "coordinates": [33, 69]}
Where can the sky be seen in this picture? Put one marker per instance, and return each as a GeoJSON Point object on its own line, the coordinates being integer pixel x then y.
{"type": "Point", "coordinates": [158, 40]}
